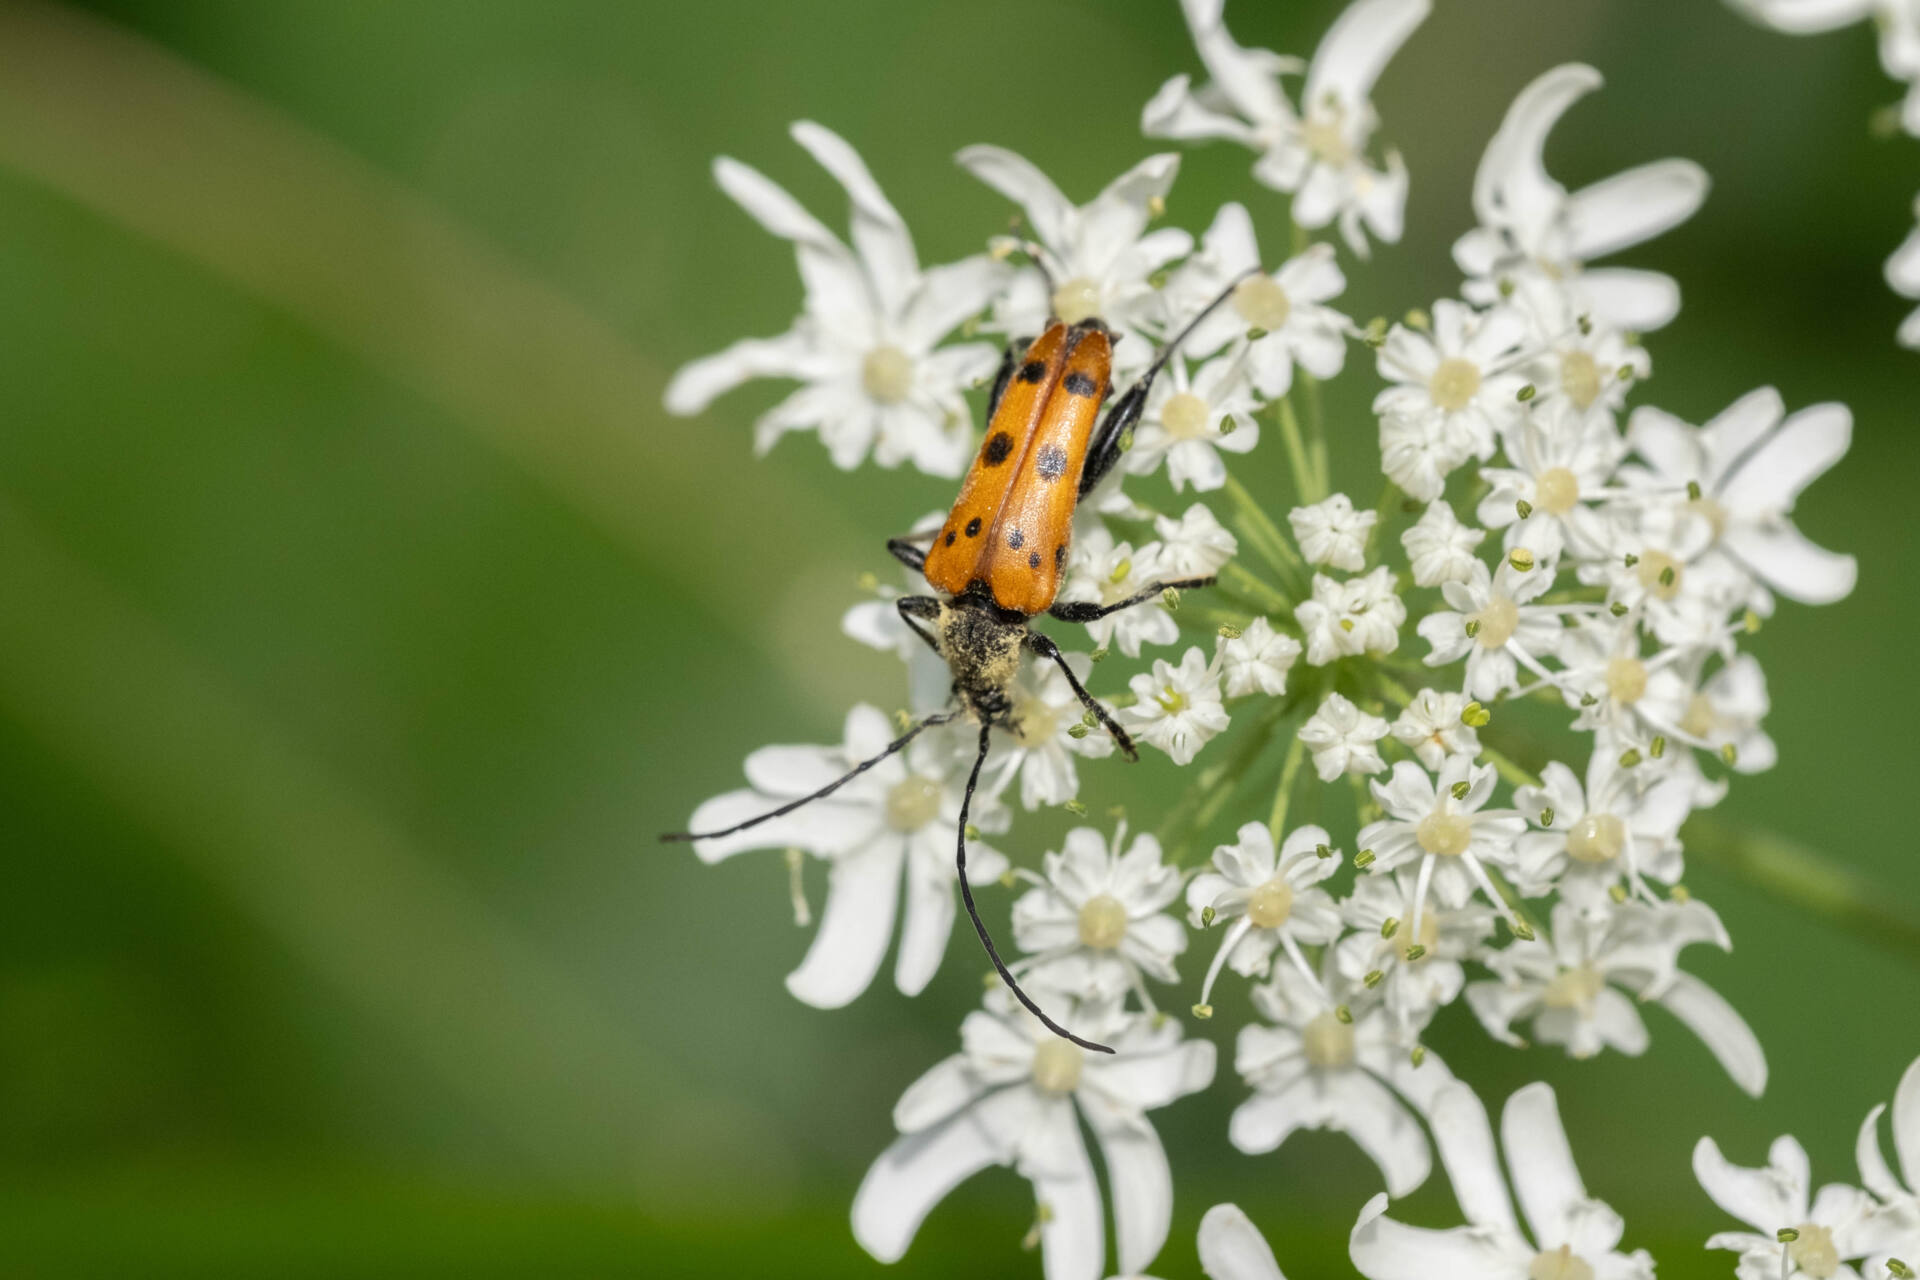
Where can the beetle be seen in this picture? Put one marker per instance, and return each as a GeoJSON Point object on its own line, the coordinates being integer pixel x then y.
{"type": "Point", "coordinates": [999, 557]}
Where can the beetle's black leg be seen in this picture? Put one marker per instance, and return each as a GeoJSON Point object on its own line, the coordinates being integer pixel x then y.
{"type": "Point", "coordinates": [903, 550]}
{"type": "Point", "coordinates": [1046, 648]}
{"type": "Point", "coordinates": [938, 718]}
{"type": "Point", "coordinates": [1088, 611]}
{"type": "Point", "coordinates": [979, 925]}
{"type": "Point", "coordinates": [912, 607]}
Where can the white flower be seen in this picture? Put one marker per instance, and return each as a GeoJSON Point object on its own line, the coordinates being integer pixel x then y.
{"type": "Point", "coordinates": [1016, 1095]}
{"type": "Point", "coordinates": [1584, 362]}
{"type": "Point", "coordinates": [1837, 1227]}
{"type": "Point", "coordinates": [1099, 254]}
{"type": "Point", "coordinates": [1360, 615]}
{"type": "Point", "coordinates": [1320, 153]}
{"type": "Point", "coordinates": [1443, 830]}
{"type": "Point", "coordinates": [866, 345]}
{"type": "Point", "coordinates": [1616, 687]}
{"type": "Point", "coordinates": [1417, 454]}
{"type": "Point", "coordinates": [1039, 746]}
{"type": "Point", "coordinates": [1529, 224]}
{"type": "Point", "coordinates": [1749, 466]}
{"type": "Point", "coordinates": [1493, 625]}
{"type": "Point", "coordinates": [1194, 546]}
{"type": "Point", "coordinates": [1188, 420]}
{"type": "Point", "coordinates": [1410, 948]}
{"type": "Point", "coordinates": [894, 822]}
{"type": "Point", "coordinates": [1657, 559]}
{"type": "Point", "coordinates": [1432, 728]}
{"type": "Point", "coordinates": [1903, 273]}
{"type": "Point", "coordinates": [1097, 921]}
{"type": "Point", "coordinates": [1439, 547]}
{"type": "Point", "coordinates": [1576, 986]}
{"type": "Point", "coordinates": [1343, 739]}
{"type": "Point", "coordinates": [1898, 21]}
{"type": "Point", "coordinates": [1726, 714]}
{"type": "Point", "coordinates": [1257, 660]}
{"type": "Point", "coordinates": [1332, 533]}
{"type": "Point", "coordinates": [1317, 1071]}
{"type": "Point", "coordinates": [1462, 377]}
{"type": "Point", "coordinates": [1900, 1203]}
{"type": "Point", "coordinates": [1572, 1235]}
{"type": "Point", "coordinates": [1623, 825]}
{"type": "Point", "coordinates": [1232, 1248]}
{"type": "Point", "coordinates": [1267, 902]}
{"type": "Point", "coordinates": [1176, 708]}
{"type": "Point", "coordinates": [1285, 307]}
{"type": "Point", "coordinates": [1106, 572]}
{"type": "Point", "coordinates": [1560, 460]}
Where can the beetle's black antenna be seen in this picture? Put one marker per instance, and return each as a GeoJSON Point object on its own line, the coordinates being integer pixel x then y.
{"type": "Point", "coordinates": [940, 718]}
{"type": "Point", "coordinates": [1166, 352]}
{"type": "Point", "coordinates": [979, 925]}
{"type": "Point", "coordinates": [1034, 251]}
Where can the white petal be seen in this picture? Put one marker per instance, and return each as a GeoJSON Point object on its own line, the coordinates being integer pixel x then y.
{"type": "Point", "coordinates": [1232, 1248]}
{"type": "Point", "coordinates": [1465, 1138]}
{"type": "Point", "coordinates": [1375, 1119]}
{"type": "Point", "coordinates": [1357, 47]}
{"type": "Point", "coordinates": [1906, 1124]}
{"type": "Point", "coordinates": [1874, 1174]}
{"type": "Point", "coordinates": [1016, 178]}
{"type": "Point", "coordinates": [1141, 1182]}
{"type": "Point", "coordinates": [1721, 1028]}
{"type": "Point", "coordinates": [947, 1086]}
{"type": "Point", "coordinates": [929, 920]}
{"type": "Point", "coordinates": [949, 294]}
{"type": "Point", "coordinates": [1768, 479]}
{"type": "Point", "coordinates": [1804, 17]}
{"type": "Point", "coordinates": [821, 827]}
{"type": "Point", "coordinates": [1073, 1241]}
{"type": "Point", "coordinates": [917, 1171]}
{"type": "Point", "coordinates": [1383, 1249]}
{"type": "Point", "coordinates": [878, 231]}
{"type": "Point", "coordinates": [1629, 298]}
{"type": "Point", "coordinates": [1793, 565]}
{"type": "Point", "coordinates": [1512, 181]}
{"type": "Point", "coordinates": [1544, 1176]}
{"type": "Point", "coordinates": [1761, 1198]}
{"type": "Point", "coordinates": [1174, 112]}
{"type": "Point", "coordinates": [769, 204]}
{"type": "Point", "coordinates": [698, 383]}
{"type": "Point", "coordinates": [1634, 206]}
{"type": "Point", "coordinates": [1903, 268]}
{"type": "Point", "coordinates": [862, 895]}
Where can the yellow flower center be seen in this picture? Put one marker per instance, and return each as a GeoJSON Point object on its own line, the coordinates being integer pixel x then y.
{"type": "Point", "coordinates": [1626, 679]}
{"type": "Point", "coordinates": [1596, 838]}
{"type": "Point", "coordinates": [1171, 700]}
{"type": "Point", "coordinates": [1184, 415]}
{"type": "Point", "coordinates": [1076, 300]}
{"type": "Point", "coordinates": [1559, 1264]}
{"type": "Point", "coordinates": [1327, 1041]}
{"type": "Point", "coordinates": [1326, 139]}
{"type": "Point", "coordinates": [1556, 491]}
{"type": "Point", "coordinates": [1573, 988]}
{"type": "Point", "coordinates": [1447, 834]}
{"type": "Point", "coordinates": [913, 802]}
{"type": "Point", "coordinates": [887, 374]}
{"type": "Point", "coordinates": [1262, 303]}
{"type": "Point", "coordinates": [1814, 1253]}
{"type": "Point", "coordinates": [1056, 1066]}
{"type": "Point", "coordinates": [1103, 922]}
{"type": "Point", "coordinates": [1712, 512]}
{"type": "Point", "coordinates": [1269, 905]}
{"type": "Point", "coordinates": [1701, 719]}
{"type": "Point", "coordinates": [1660, 574]}
{"type": "Point", "coordinates": [1580, 378]}
{"type": "Point", "coordinates": [1498, 619]}
{"type": "Point", "coordinates": [1454, 384]}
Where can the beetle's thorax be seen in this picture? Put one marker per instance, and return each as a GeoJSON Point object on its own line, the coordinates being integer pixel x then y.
{"type": "Point", "coordinates": [982, 644]}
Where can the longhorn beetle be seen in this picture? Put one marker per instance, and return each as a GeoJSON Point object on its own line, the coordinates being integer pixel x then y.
{"type": "Point", "coordinates": [998, 559]}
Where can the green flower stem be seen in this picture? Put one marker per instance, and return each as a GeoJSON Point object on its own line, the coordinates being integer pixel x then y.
{"type": "Point", "coordinates": [1202, 801]}
{"type": "Point", "coordinates": [1243, 581]}
{"type": "Point", "coordinates": [1316, 432]}
{"type": "Point", "coordinates": [1382, 511]}
{"type": "Point", "coordinates": [1265, 535]}
{"type": "Point", "coordinates": [1515, 903]}
{"type": "Point", "coordinates": [1509, 768]}
{"type": "Point", "coordinates": [1804, 879]}
{"type": "Point", "coordinates": [1306, 478]}
{"type": "Point", "coordinates": [1283, 794]}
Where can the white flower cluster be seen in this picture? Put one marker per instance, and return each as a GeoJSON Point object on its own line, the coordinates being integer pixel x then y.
{"type": "Point", "coordinates": [1554, 552]}
{"type": "Point", "coordinates": [1898, 22]}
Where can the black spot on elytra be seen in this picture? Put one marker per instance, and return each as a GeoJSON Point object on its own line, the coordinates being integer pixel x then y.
{"type": "Point", "coordinates": [1059, 557]}
{"type": "Point", "coordinates": [1016, 539]}
{"type": "Point", "coordinates": [1079, 384]}
{"type": "Point", "coordinates": [999, 445]}
{"type": "Point", "coordinates": [1033, 560]}
{"type": "Point", "coordinates": [951, 535]}
{"type": "Point", "coordinates": [1051, 462]}
{"type": "Point", "coordinates": [1033, 371]}
{"type": "Point", "coordinates": [973, 527]}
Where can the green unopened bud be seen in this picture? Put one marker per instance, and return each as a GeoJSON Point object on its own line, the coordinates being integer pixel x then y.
{"type": "Point", "coordinates": [1157, 280]}
{"type": "Point", "coordinates": [1126, 440]}
{"type": "Point", "coordinates": [1693, 491]}
{"type": "Point", "coordinates": [1416, 952]}
{"type": "Point", "coordinates": [1731, 754]}
{"type": "Point", "coordinates": [1076, 808]}
{"type": "Point", "coordinates": [1078, 731]}
{"type": "Point", "coordinates": [1899, 1270]}
{"type": "Point", "coordinates": [1207, 917]}
{"type": "Point", "coordinates": [1586, 325]}
{"type": "Point", "coordinates": [1546, 816]}
{"type": "Point", "coordinates": [1389, 926]}
{"type": "Point", "coordinates": [1228, 426]}
{"type": "Point", "coordinates": [1625, 373]}
{"type": "Point", "coordinates": [1343, 1014]}
{"type": "Point", "coordinates": [1667, 576]}
{"type": "Point", "coordinates": [1097, 654]}
{"type": "Point", "coordinates": [1256, 333]}
{"type": "Point", "coordinates": [903, 718]}
{"type": "Point", "coordinates": [1524, 507]}
{"type": "Point", "coordinates": [1630, 757]}
{"type": "Point", "coordinates": [1122, 571]}
{"type": "Point", "coordinates": [1418, 319]}
{"type": "Point", "coordinates": [1372, 979]}
{"type": "Point", "coordinates": [1409, 506]}
{"type": "Point", "coordinates": [1505, 286]}
{"type": "Point", "coordinates": [1750, 622]}
{"type": "Point", "coordinates": [1460, 790]}
{"type": "Point", "coordinates": [1680, 893]}
{"type": "Point", "coordinates": [972, 832]}
{"type": "Point", "coordinates": [869, 582]}
{"type": "Point", "coordinates": [1475, 716]}
{"type": "Point", "coordinates": [1658, 747]}
{"type": "Point", "coordinates": [1156, 206]}
{"type": "Point", "coordinates": [1170, 598]}
{"type": "Point", "coordinates": [1008, 880]}
{"type": "Point", "coordinates": [1588, 700]}
{"type": "Point", "coordinates": [1632, 559]}
{"type": "Point", "coordinates": [1617, 892]}
{"type": "Point", "coordinates": [1523, 931]}
{"type": "Point", "coordinates": [1525, 393]}
{"type": "Point", "coordinates": [1520, 558]}
{"type": "Point", "coordinates": [1787, 1235]}
{"type": "Point", "coordinates": [1203, 1011]}
{"type": "Point", "coordinates": [1322, 851]}
{"type": "Point", "coordinates": [1617, 609]}
{"type": "Point", "coordinates": [1417, 1054]}
{"type": "Point", "coordinates": [1229, 632]}
{"type": "Point", "coordinates": [1363, 859]}
{"type": "Point", "coordinates": [1375, 334]}
{"type": "Point", "coordinates": [1346, 624]}
{"type": "Point", "coordinates": [1089, 718]}
{"type": "Point", "coordinates": [1472, 627]}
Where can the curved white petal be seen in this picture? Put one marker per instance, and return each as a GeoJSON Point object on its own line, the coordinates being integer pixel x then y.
{"type": "Point", "coordinates": [1232, 1248]}
{"type": "Point", "coordinates": [1874, 1173]}
{"type": "Point", "coordinates": [768, 203]}
{"type": "Point", "coordinates": [942, 1090]}
{"type": "Point", "coordinates": [1635, 206]}
{"type": "Point", "coordinates": [1177, 112]}
{"type": "Point", "coordinates": [1512, 183]}
{"type": "Point", "coordinates": [879, 234]}
{"type": "Point", "coordinates": [698, 383]}
{"type": "Point", "coordinates": [1016, 178]}
{"type": "Point", "coordinates": [862, 895]}
{"type": "Point", "coordinates": [1769, 477]}
{"type": "Point", "coordinates": [1464, 1136]}
{"type": "Point", "coordinates": [929, 920]}
{"type": "Point", "coordinates": [1792, 564]}
{"type": "Point", "coordinates": [1804, 17]}
{"type": "Point", "coordinates": [1141, 1182]}
{"type": "Point", "coordinates": [1906, 1124]}
{"type": "Point", "coordinates": [1766, 1198]}
{"type": "Point", "coordinates": [1383, 1249]}
{"type": "Point", "coordinates": [822, 827]}
{"type": "Point", "coordinates": [1073, 1239]}
{"type": "Point", "coordinates": [1369, 1113]}
{"type": "Point", "coordinates": [1721, 1028]}
{"type": "Point", "coordinates": [1903, 268]}
{"type": "Point", "coordinates": [1357, 48]}
{"type": "Point", "coordinates": [917, 1171]}
{"type": "Point", "coordinates": [1544, 1176]}
{"type": "Point", "coordinates": [1630, 298]}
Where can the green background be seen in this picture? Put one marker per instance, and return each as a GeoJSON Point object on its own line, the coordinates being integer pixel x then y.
{"type": "Point", "coordinates": [363, 617]}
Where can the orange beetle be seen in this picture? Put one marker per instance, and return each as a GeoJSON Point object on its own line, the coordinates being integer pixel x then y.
{"type": "Point", "coordinates": [998, 559]}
